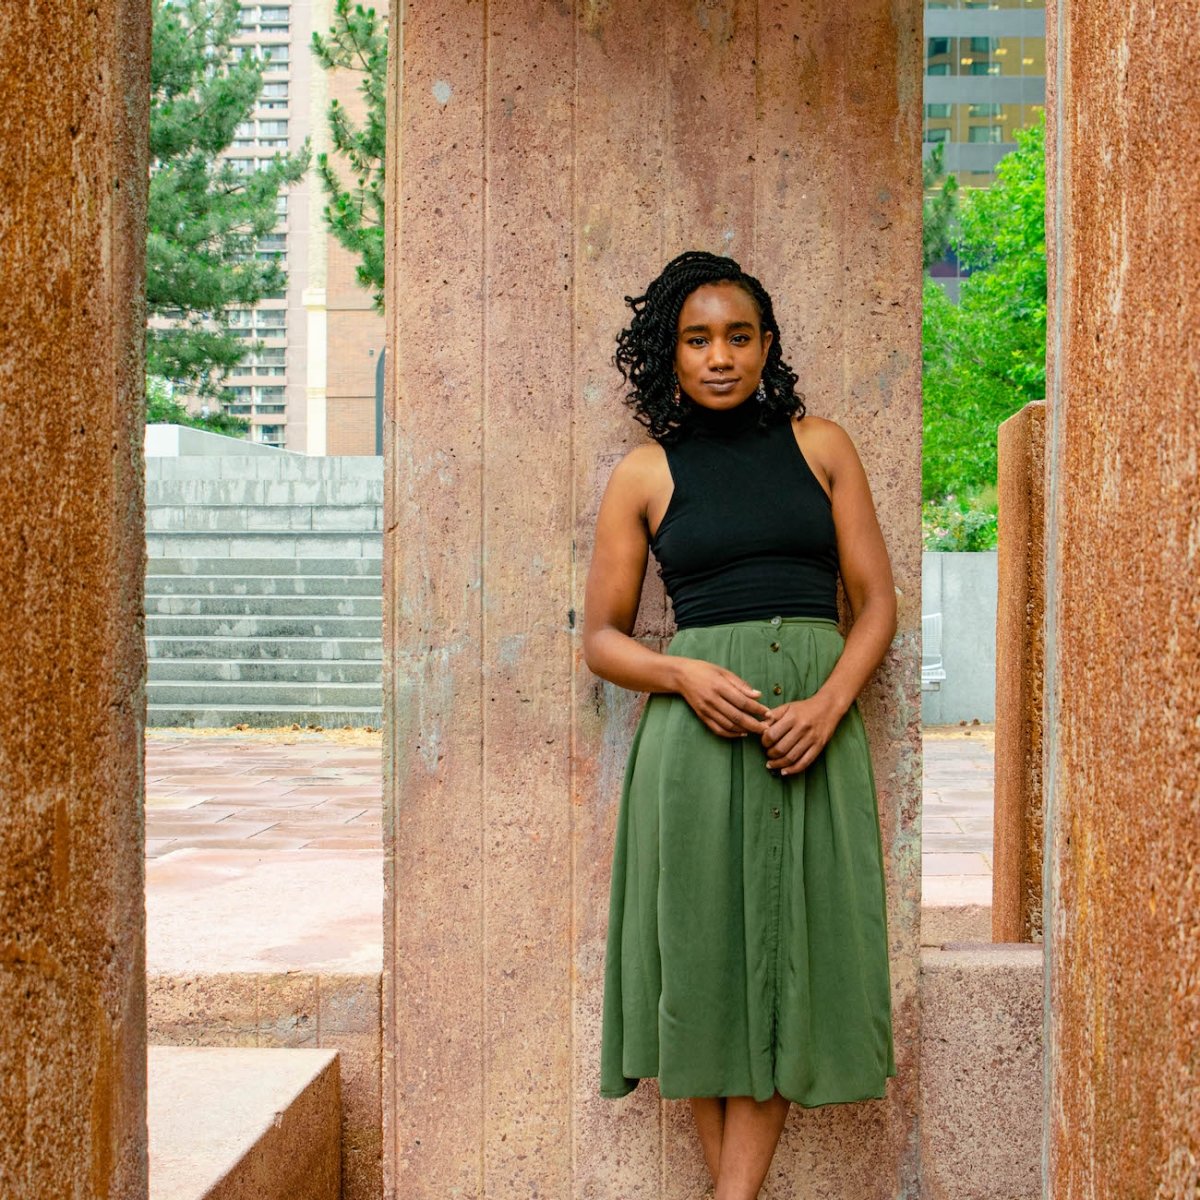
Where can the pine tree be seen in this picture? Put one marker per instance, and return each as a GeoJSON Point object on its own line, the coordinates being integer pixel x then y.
{"type": "Point", "coordinates": [205, 217]}
{"type": "Point", "coordinates": [357, 42]}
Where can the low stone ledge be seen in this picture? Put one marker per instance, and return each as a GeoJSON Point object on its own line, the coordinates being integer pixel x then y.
{"type": "Point", "coordinates": [244, 1124]}
{"type": "Point", "coordinates": [955, 923]}
{"type": "Point", "coordinates": [291, 1010]}
{"type": "Point", "coordinates": [981, 1071]}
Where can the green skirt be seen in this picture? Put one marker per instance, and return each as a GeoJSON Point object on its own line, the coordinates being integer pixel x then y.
{"type": "Point", "coordinates": [747, 937]}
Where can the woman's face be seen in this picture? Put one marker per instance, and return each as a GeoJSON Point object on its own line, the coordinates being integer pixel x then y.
{"type": "Point", "coordinates": [720, 350]}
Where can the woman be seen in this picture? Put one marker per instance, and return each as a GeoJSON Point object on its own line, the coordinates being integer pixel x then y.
{"type": "Point", "coordinates": [747, 951]}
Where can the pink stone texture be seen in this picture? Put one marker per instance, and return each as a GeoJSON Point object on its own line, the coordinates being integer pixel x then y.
{"type": "Point", "coordinates": [1123, 610]}
{"type": "Point", "coordinates": [73, 175]}
{"type": "Point", "coordinates": [546, 161]}
{"type": "Point", "coordinates": [1020, 671]}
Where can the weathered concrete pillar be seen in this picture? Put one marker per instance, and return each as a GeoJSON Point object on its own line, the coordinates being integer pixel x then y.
{"type": "Point", "coordinates": [73, 166]}
{"type": "Point", "coordinates": [1020, 613]}
{"type": "Point", "coordinates": [1123, 613]}
{"type": "Point", "coordinates": [547, 161]}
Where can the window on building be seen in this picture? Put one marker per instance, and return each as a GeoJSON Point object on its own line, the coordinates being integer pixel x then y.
{"type": "Point", "coordinates": [275, 91]}
{"type": "Point", "coordinates": [937, 135]}
{"type": "Point", "coordinates": [272, 318]}
{"type": "Point", "coordinates": [270, 395]}
{"type": "Point", "coordinates": [992, 134]}
{"type": "Point", "coordinates": [985, 68]}
{"type": "Point", "coordinates": [985, 110]}
{"type": "Point", "coordinates": [272, 410]}
{"type": "Point", "coordinates": [272, 129]}
{"type": "Point", "coordinates": [270, 433]}
{"type": "Point", "coordinates": [275, 16]}
{"type": "Point", "coordinates": [938, 46]}
{"type": "Point", "coordinates": [276, 58]}
{"type": "Point", "coordinates": [980, 45]}
{"type": "Point", "coordinates": [939, 112]}
{"type": "Point", "coordinates": [240, 410]}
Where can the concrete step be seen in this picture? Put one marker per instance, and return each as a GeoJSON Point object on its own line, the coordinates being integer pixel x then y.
{"type": "Point", "coordinates": [231, 1122]}
{"type": "Point", "coordinates": [194, 670]}
{"type": "Point", "coordinates": [253, 627]}
{"type": "Point", "coordinates": [238, 518]}
{"type": "Point", "coordinates": [258, 544]}
{"type": "Point", "coordinates": [243, 648]}
{"type": "Point", "coordinates": [272, 568]}
{"type": "Point", "coordinates": [263, 585]}
{"type": "Point", "coordinates": [265, 606]}
{"type": "Point", "coordinates": [206, 694]}
{"type": "Point", "coordinates": [225, 716]}
{"type": "Point", "coordinates": [278, 467]}
{"type": "Point", "coordinates": [263, 491]}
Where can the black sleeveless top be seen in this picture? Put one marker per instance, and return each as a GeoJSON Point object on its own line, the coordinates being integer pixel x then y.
{"type": "Point", "coordinates": [748, 532]}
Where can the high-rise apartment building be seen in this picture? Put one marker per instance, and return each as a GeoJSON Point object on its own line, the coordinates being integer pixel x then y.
{"type": "Point", "coordinates": [311, 386]}
{"type": "Point", "coordinates": [985, 77]}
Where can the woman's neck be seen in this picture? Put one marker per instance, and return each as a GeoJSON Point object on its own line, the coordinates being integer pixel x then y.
{"type": "Point", "coordinates": [723, 421]}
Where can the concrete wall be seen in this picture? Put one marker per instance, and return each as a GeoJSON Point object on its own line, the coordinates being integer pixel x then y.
{"type": "Point", "coordinates": [73, 170]}
{"type": "Point", "coordinates": [553, 159]}
{"type": "Point", "coordinates": [962, 587]}
{"type": "Point", "coordinates": [175, 441]}
{"type": "Point", "coordinates": [1123, 618]}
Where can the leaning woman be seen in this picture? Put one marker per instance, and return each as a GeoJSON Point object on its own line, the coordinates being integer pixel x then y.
{"type": "Point", "coordinates": [747, 958]}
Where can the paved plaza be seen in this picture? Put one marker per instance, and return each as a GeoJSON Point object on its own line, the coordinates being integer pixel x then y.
{"type": "Point", "coordinates": [265, 849]}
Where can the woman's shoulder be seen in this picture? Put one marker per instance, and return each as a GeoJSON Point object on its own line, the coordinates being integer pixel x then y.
{"type": "Point", "coordinates": [821, 433]}
{"type": "Point", "coordinates": [639, 473]}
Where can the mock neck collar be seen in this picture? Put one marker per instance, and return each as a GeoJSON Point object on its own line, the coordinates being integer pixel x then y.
{"type": "Point", "coordinates": [728, 422]}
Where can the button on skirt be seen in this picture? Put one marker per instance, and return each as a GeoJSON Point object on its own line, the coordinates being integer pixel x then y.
{"type": "Point", "coordinates": [747, 939]}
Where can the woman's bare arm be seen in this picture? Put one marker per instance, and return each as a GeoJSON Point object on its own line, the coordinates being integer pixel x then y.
{"type": "Point", "coordinates": [727, 704]}
{"type": "Point", "coordinates": [865, 567]}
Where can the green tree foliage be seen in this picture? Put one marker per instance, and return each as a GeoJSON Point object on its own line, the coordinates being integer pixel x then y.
{"type": "Point", "coordinates": [163, 408]}
{"type": "Point", "coordinates": [357, 42]}
{"type": "Point", "coordinates": [941, 202]}
{"type": "Point", "coordinates": [985, 357]}
{"type": "Point", "coordinates": [205, 218]}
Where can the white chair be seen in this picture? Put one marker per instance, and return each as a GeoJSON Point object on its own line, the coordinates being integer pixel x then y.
{"type": "Point", "coordinates": [932, 671]}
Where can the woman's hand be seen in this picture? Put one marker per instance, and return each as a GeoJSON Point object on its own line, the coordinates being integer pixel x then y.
{"type": "Point", "coordinates": [798, 731]}
{"type": "Point", "coordinates": [723, 701]}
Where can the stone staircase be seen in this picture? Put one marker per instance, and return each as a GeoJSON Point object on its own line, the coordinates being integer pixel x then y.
{"type": "Point", "coordinates": [264, 591]}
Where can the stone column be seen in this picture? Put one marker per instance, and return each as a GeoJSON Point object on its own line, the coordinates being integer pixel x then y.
{"type": "Point", "coordinates": [545, 162]}
{"type": "Point", "coordinates": [1020, 611]}
{"type": "Point", "coordinates": [73, 147]}
{"type": "Point", "coordinates": [1123, 612]}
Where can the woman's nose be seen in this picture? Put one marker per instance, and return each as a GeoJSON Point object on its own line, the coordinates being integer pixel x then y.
{"type": "Point", "coordinates": [719, 355]}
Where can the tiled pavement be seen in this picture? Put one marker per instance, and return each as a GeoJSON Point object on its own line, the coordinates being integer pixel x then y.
{"type": "Point", "coordinates": [956, 857]}
{"type": "Point", "coordinates": [225, 816]}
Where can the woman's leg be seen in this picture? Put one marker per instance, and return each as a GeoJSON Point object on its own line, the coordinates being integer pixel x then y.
{"type": "Point", "coordinates": [709, 1112]}
{"type": "Point", "coordinates": [751, 1134]}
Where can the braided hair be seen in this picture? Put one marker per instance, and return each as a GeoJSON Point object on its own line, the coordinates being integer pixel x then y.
{"type": "Point", "coordinates": [645, 353]}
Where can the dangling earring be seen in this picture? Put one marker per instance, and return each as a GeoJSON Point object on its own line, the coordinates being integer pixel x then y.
{"type": "Point", "coordinates": [676, 389]}
{"type": "Point", "coordinates": [762, 392]}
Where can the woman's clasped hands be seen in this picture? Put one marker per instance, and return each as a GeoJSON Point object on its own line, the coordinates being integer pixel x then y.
{"type": "Point", "coordinates": [792, 734]}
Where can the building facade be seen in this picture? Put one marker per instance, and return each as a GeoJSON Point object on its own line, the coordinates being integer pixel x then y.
{"type": "Point", "coordinates": [311, 385]}
{"type": "Point", "coordinates": [985, 77]}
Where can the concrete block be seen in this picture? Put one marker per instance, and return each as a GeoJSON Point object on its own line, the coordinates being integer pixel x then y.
{"type": "Point", "coordinates": [981, 1072]}
{"type": "Point", "coordinates": [955, 923]}
{"type": "Point", "coordinates": [341, 516]}
{"type": "Point", "coordinates": [263, 695]}
{"type": "Point", "coordinates": [235, 1123]}
{"type": "Point", "coordinates": [215, 716]}
{"type": "Point", "coordinates": [296, 1009]}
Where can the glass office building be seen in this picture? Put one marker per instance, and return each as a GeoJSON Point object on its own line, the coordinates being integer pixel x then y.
{"type": "Point", "coordinates": [985, 77]}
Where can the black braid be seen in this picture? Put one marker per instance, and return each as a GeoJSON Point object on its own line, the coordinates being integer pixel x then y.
{"type": "Point", "coordinates": [646, 350]}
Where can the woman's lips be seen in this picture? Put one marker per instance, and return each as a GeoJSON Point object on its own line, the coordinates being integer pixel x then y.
{"type": "Point", "coordinates": [720, 385]}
